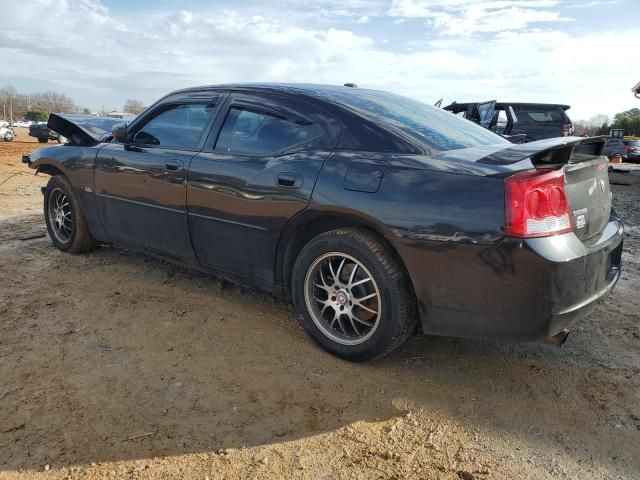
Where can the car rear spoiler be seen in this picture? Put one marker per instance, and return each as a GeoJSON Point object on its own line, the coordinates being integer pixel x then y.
{"type": "Point", "coordinates": [82, 129]}
{"type": "Point", "coordinates": [549, 151]}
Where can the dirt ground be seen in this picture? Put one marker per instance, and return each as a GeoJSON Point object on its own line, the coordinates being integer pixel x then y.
{"type": "Point", "coordinates": [113, 365]}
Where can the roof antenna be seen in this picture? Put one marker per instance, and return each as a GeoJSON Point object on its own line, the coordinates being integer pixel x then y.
{"type": "Point", "coordinates": [352, 85]}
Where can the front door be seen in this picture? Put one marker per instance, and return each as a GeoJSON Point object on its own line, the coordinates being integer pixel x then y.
{"type": "Point", "coordinates": [258, 172]}
{"type": "Point", "coordinates": [484, 113]}
{"type": "Point", "coordinates": [140, 185]}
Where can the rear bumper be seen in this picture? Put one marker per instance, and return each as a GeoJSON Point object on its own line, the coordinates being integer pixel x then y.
{"type": "Point", "coordinates": [517, 290]}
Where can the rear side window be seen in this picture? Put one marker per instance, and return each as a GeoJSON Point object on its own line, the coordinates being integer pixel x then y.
{"type": "Point", "coordinates": [258, 133]}
{"type": "Point", "coordinates": [437, 128]}
{"type": "Point", "coordinates": [542, 114]}
{"type": "Point", "coordinates": [501, 121]}
{"type": "Point", "coordinates": [180, 127]}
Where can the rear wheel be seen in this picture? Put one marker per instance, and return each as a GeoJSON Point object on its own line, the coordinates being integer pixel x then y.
{"type": "Point", "coordinates": [65, 220]}
{"type": "Point", "coordinates": [43, 140]}
{"type": "Point", "coordinates": [351, 296]}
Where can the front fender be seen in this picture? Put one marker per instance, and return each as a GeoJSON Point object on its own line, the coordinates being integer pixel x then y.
{"type": "Point", "coordinates": [77, 165]}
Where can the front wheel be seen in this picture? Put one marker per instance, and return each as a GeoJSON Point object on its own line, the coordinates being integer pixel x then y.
{"type": "Point", "coordinates": [65, 220]}
{"type": "Point", "coordinates": [351, 296]}
{"type": "Point", "coordinates": [8, 137]}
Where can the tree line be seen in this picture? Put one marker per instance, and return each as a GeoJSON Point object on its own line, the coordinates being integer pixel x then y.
{"type": "Point", "coordinates": [37, 106]}
{"type": "Point", "coordinates": [600, 124]}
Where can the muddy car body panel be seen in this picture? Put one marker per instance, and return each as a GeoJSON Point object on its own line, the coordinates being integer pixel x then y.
{"type": "Point", "coordinates": [438, 202]}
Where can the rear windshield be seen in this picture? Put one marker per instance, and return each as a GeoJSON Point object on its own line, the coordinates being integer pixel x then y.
{"type": "Point", "coordinates": [437, 128]}
{"type": "Point", "coordinates": [541, 113]}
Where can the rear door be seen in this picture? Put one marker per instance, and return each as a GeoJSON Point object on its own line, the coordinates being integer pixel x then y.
{"type": "Point", "coordinates": [484, 113]}
{"type": "Point", "coordinates": [258, 170]}
{"type": "Point", "coordinates": [140, 185]}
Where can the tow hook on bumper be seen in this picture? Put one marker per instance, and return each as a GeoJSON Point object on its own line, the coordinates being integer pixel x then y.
{"type": "Point", "coordinates": [559, 338]}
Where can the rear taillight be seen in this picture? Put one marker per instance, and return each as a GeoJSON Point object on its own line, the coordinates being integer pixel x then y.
{"type": "Point", "coordinates": [536, 204]}
{"type": "Point", "coordinates": [628, 149]}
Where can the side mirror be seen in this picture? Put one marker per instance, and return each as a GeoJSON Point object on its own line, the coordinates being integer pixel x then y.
{"type": "Point", "coordinates": [119, 133]}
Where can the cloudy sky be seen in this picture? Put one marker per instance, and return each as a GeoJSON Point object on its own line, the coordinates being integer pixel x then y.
{"type": "Point", "coordinates": [101, 52]}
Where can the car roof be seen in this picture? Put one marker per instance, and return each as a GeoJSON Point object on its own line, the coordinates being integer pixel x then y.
{"type": "Point", "coordinates": [314, 91]}
{"type": "Point", "coordinates": [271, 86]}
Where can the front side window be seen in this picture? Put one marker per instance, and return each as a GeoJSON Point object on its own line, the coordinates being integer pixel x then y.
{"type": "Point", "coordinates": [257, 133]}
{"type": "Point", "coordinates": [181, 126]}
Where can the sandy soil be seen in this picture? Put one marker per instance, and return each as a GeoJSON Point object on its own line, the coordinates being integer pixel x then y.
{"type": "Point", "coordinates": [114, 365]}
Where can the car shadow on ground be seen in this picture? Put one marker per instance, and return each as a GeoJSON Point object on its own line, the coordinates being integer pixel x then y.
{"type": "Point", "coordinates": [114, 356]}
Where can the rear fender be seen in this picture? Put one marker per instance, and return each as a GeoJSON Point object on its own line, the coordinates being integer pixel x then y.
{"type": "Point", "coordinates": [314, 221]}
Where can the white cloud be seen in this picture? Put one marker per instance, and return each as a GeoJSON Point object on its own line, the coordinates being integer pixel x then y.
{"type": "Point", "coordinates": [98, 57]}
{"type": "Point", "coordinates": [467, 17]}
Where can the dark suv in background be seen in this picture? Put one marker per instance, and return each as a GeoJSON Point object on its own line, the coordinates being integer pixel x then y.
{"type": "Point", "coordinates": [519, 122]}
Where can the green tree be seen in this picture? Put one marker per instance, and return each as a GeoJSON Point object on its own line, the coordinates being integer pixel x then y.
{"type": "Point", "coordinates": [36, 116]}
{"type": "Point", "coordinates": [86, 111]}
{"type": "Point", "coordinates": [628, 120]}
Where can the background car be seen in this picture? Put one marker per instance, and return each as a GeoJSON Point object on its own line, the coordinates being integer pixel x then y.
{"type": "Point", "coordinates": [40, 131]}
{"type": "Point", "coordinates": [524, 121]}
{"type": "Point", "coordinates": [7, 134]}
{"type": "Point", "coordinates": [375, 214]}
{"type": "Point", "coordinates": [628, 149]}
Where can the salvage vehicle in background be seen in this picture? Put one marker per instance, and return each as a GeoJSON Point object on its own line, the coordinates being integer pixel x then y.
{"type": "Point", "coordinates": [374, 213]}
{"type": "Point", "coordinates": [531, 121]}
{"type": "Point", "coordinates": [627, 147]}
{"type": "Point", "coordinates": [7, 134]}
{"type": "Point", "coordinates": [40, 131]}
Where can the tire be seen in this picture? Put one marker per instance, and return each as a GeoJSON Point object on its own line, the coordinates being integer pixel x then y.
{"type": "Point", "coordinates": [43, 140]}
{"type": "Point", "coordinates": [65, 220]}
{"type": "Point", "coordinates": [8, 137]}
{"type": "Point", "coordinates": [354, 318]}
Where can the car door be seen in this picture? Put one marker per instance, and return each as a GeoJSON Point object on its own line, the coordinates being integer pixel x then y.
{"type": "Point", "coordinates": [484, 113]}
{"type": "Point", "coordinates": [258, 171]}
{"type": "Point", "coordinates": [140, 184]}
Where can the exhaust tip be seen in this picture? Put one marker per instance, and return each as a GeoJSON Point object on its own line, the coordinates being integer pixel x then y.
{"type": "Point", "coordinates": [559, 338]}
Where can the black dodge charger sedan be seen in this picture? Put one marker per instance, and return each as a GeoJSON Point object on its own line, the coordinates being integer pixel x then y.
{"type": "Point", "coordinates": [375, 214]}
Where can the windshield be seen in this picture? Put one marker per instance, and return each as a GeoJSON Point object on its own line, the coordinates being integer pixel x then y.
{"type": "Point", "coordinates": [437, 128]}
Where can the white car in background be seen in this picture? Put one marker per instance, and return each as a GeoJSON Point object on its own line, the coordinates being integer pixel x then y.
{"type": "Point", "coordinates": [6, 133]}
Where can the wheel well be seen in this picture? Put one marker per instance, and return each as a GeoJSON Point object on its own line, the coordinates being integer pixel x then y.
{"type": "Point", "coordinates": [308, 230]}
{"type": "Point", "coordinates": [49, 170]}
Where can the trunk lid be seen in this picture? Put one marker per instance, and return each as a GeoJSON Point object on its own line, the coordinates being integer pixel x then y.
{"type": "Point", "coordinates": [585, 171]}
{"type": "Point", "coordinates": [82, 129]}
{"type": "Point", "coordinates": [589, 195]}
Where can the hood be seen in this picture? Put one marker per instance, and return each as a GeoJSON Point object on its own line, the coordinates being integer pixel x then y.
{"type": "Point", "coordinates": [550, 151]}
{"type": "Point", "coordinates": [82, 129]}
